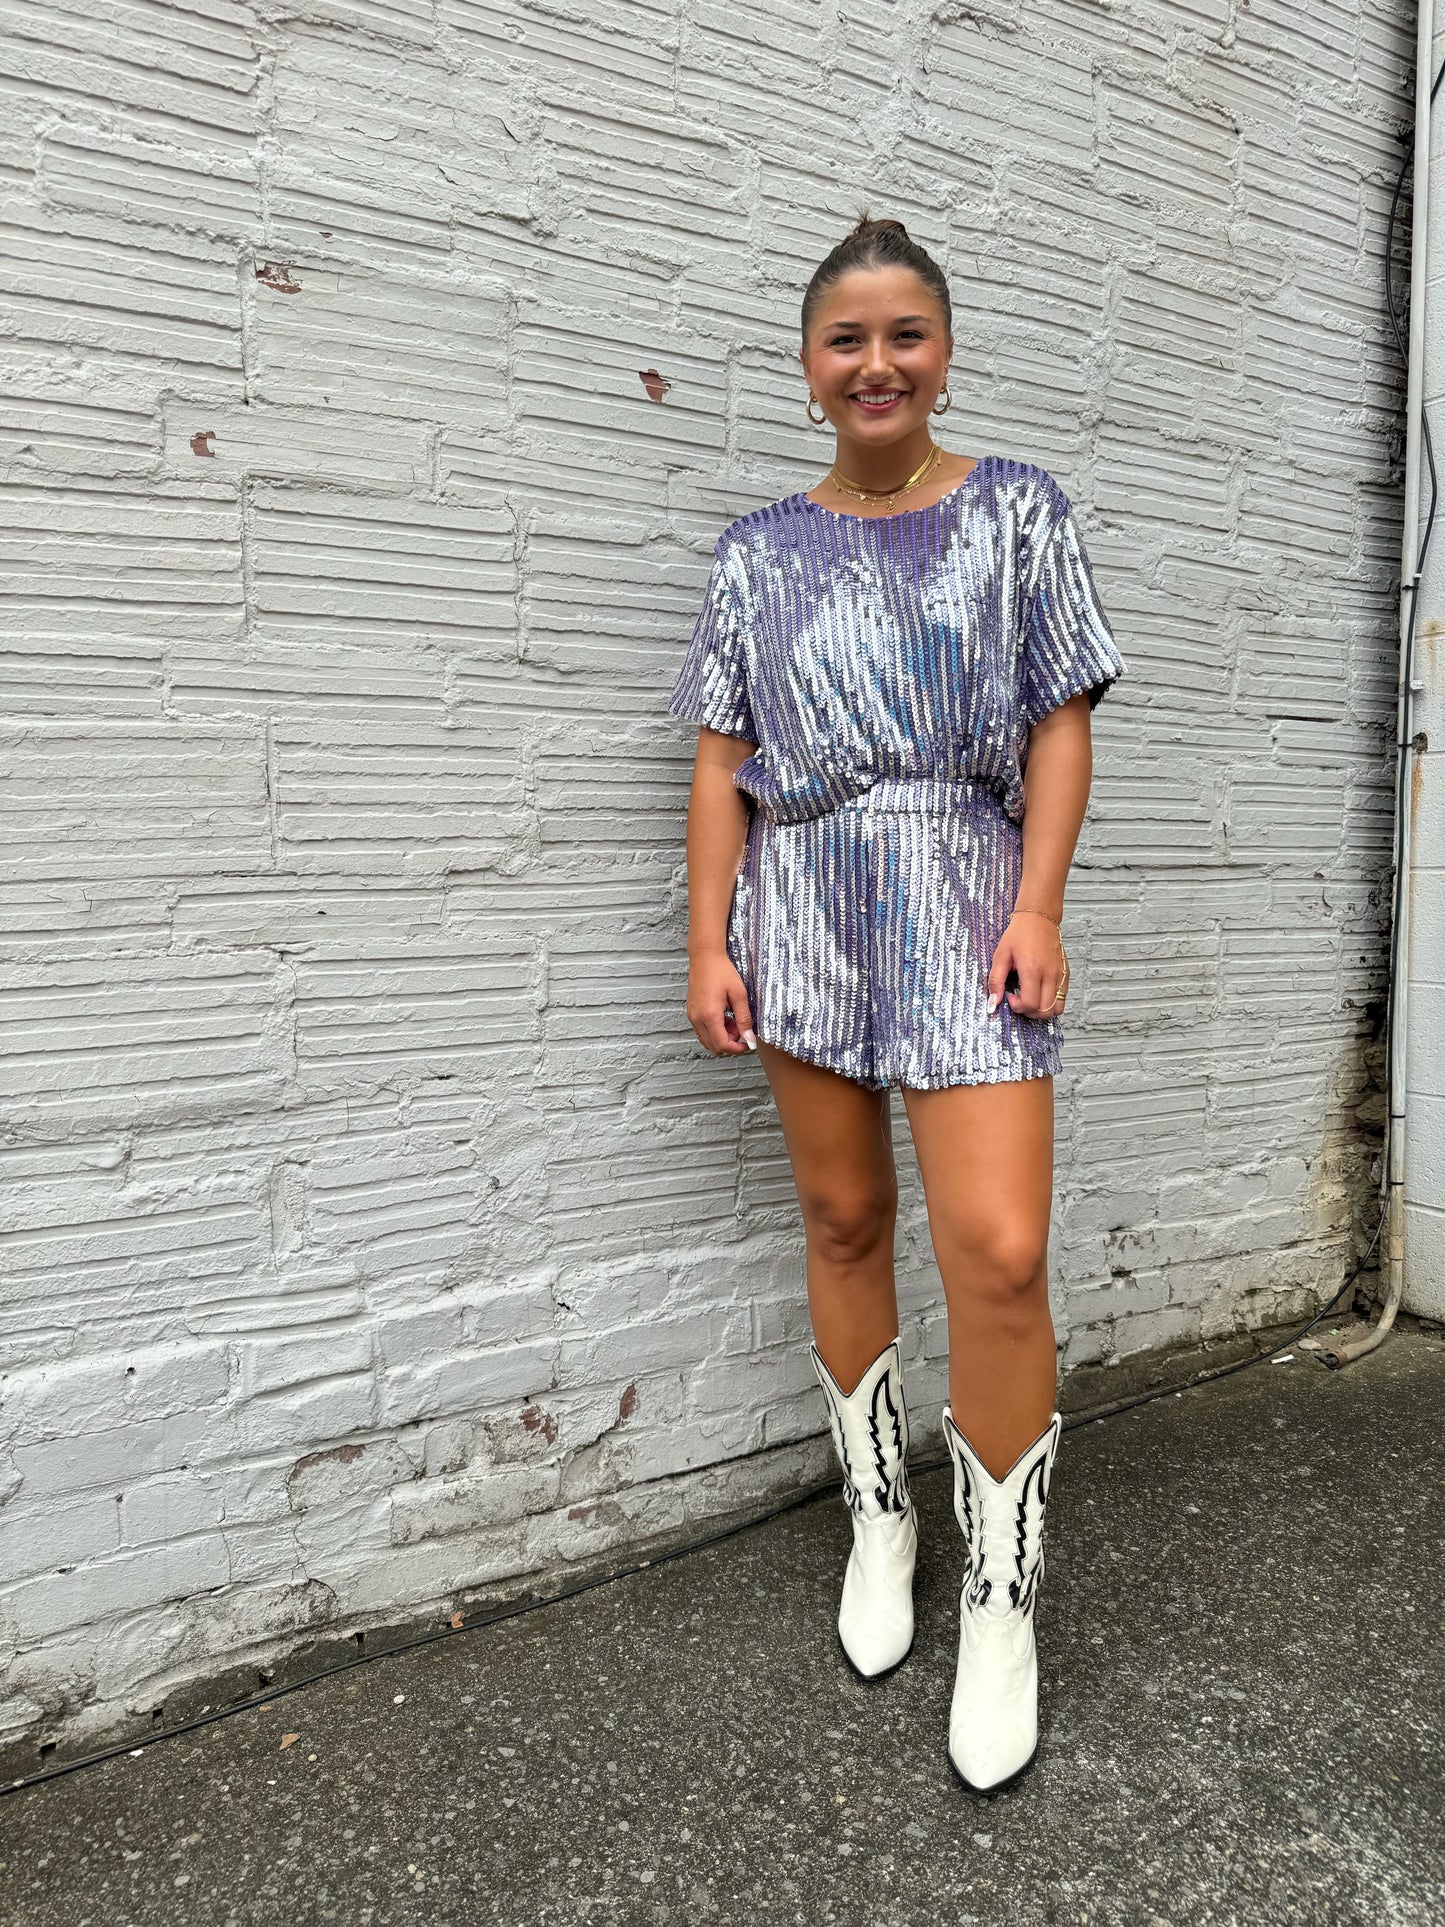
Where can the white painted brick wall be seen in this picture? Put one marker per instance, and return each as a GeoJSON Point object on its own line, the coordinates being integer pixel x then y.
{"type": "Point", "coordinates": [373, 1226]}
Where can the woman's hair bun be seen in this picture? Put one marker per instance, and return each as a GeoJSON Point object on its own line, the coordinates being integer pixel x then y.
{"type": "Point", "coordinates": [866, 226]}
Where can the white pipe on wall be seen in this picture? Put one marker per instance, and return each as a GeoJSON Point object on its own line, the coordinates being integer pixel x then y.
{"type": "Point", "coordinates": [1393, 1257]}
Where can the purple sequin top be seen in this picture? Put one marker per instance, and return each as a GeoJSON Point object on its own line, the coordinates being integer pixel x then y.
{"type": "Point", "coordinates": [850, 649]}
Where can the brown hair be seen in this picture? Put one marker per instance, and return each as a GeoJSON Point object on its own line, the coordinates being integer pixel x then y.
{"type": "Point", "coordinates": [875, 244]}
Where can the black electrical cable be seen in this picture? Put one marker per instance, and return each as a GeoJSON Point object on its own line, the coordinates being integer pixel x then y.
{"type": "Point", "coordinates": [794, 1504]}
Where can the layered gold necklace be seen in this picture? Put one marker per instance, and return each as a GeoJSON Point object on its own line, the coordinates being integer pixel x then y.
{"type": "Point", "coordinates": [889, 495]}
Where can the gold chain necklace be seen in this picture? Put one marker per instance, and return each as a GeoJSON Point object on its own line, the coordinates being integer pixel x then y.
{"type": "Point", "coordinates": [889, 495]}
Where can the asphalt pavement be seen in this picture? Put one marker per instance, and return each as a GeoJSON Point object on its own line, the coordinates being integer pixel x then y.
{"type": "Point", "coordinates": [1242, 1691]}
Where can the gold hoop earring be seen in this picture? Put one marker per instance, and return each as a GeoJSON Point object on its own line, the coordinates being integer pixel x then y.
{"type": "Point", "coordinates": [948, 403]}
{"type": "Point", "coordinates": [816, 420]}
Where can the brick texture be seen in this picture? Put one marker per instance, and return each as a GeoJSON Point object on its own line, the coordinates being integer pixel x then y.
{"type": "Point", "coordinates": [374, 1228]}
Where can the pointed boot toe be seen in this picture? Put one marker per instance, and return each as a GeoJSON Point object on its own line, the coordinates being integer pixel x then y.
{"type": "Point", "coordinates": [993, 1728]}
{"type": "Point", "coordinates": [875, 1616]}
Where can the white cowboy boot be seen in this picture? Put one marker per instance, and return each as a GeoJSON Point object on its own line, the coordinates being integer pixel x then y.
{"type": "Point", "coordinates": [870, 1436]}
{"type": "Point", "coordinates": [993, 1722]}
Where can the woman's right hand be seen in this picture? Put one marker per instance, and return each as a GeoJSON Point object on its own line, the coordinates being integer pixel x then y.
{"type": "Point", "coordinates": [717, 1005]}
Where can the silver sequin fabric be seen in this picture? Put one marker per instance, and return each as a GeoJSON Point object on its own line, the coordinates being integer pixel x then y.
{"type": "Point", "coordinates": [887, 671]}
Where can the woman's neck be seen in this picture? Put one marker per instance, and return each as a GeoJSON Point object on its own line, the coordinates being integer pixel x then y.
{"type": "Point", "coordinates": [870, 466]}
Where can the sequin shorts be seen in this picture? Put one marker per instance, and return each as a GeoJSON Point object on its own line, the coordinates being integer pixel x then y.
{"type": "Point", "coordinates": [864, 938]}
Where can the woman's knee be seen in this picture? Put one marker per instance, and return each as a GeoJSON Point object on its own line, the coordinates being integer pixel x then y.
{"type": "Point", "coordinates": [1003, 1271]}
{"type": "Point", "coordinates": [847, 1226]}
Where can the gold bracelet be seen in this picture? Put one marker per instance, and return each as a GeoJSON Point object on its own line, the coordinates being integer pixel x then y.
{"type": "Point", "coordinates": [1020, 910]}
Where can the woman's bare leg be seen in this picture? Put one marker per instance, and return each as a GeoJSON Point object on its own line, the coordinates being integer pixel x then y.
{"type": "Point", "coordinates": [986, 1154]}
{"type": "Point", "coordinates": [840, 1144]}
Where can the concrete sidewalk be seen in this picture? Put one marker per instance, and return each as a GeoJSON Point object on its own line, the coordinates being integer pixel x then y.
{"type": "Point", "coordinates": [1243, 1682]}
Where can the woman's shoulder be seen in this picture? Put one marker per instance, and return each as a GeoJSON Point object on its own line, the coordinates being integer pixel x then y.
{"type": "Point", "coordinates": [1033, 503]}
{"type": "Point", "coordinates": [762, 524]}
{"type": "Point", "coordinates": [1031, 482]}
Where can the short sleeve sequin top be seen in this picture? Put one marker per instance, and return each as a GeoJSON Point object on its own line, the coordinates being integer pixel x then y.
{"type": "Point", "coordinates": [921, 644]}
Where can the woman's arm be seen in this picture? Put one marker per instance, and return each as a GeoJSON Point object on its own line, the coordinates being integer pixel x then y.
{"type": "Point", "coordinates": [1058, 773]}
{"type": "Point", "coordinates": [717, 828]}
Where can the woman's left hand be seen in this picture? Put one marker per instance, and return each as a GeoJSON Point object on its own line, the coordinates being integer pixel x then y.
{"type": "Point", "coordinates": [1032, 946]}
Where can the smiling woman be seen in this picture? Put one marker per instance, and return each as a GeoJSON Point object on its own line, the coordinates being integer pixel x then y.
{"type": "Point", "coordinates": [892, 771]}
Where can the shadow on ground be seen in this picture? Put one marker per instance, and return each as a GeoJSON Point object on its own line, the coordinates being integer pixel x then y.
{"type": "Point", "coordinates": [1243, 1681]}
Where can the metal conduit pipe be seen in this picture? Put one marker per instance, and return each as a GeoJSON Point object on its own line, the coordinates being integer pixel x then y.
{"type": "Point", "coordinates": [1393, 1176]}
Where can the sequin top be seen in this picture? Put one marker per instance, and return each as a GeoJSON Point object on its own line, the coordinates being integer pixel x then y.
{"type": "Point", "coordinates": [924, 643]}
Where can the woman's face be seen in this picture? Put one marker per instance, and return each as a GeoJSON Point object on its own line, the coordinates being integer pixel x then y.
{"type": "Point", "coordinates": [877, 332]}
